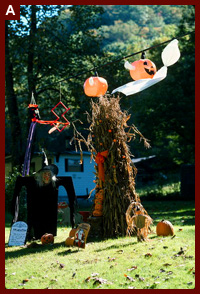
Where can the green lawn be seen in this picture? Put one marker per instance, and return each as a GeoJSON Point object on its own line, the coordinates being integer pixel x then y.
{"type": "Point", "coordinates": [121, 263]}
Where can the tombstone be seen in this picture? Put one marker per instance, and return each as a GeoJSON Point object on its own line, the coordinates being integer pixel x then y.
{"type": "Point", "coordinates": [18, 234]}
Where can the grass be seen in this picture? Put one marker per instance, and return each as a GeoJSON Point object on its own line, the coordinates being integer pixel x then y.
{"type": "Point", "coordinates": [121, 263]}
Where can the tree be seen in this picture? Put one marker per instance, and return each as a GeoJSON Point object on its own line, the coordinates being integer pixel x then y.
{"type": "Point", "coordinates": [167, 111]}
{"type": "Point", "coordinates": [11, 99]}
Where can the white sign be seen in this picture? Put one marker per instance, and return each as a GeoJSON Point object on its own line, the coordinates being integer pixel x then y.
{"type": "Point", "coordinates": [18, 234]}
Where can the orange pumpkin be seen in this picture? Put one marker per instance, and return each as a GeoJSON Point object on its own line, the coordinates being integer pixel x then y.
{"type": "Point", "coordinates": [143, 69]}
{"type": "Point", "coordinates": [95, 86]}
{"type": "Point", "coordinates": [98, 207]}
{"type": "Point", "coordinates": [164, 228]}
{"type": "Point", "coordinates": [99, 195]}
{"type": "Point", "coordinates": [97, 213]}
{"type": "Point", "coordinates": [47, 239]}
{"type": "Point", "coordinates": [72, 232]}
{"type": "Point", "coordinates": [98, 201]}
{"type": "Point", "coordinates": [69, 241]}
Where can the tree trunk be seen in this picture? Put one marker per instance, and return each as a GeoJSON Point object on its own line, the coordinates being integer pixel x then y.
{"type": "Point", "coordinates": [11, 99]}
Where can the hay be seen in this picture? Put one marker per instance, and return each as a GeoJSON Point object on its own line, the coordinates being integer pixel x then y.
{"type": "Point", "coordinates": [108, 125]}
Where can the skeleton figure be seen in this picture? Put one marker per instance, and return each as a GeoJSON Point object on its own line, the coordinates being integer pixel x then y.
{"type": "Point", "coordinates": [42, 200]}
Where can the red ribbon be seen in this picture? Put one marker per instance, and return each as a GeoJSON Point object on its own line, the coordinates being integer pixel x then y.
{"type": "Point", "coordinates": [100, 158]}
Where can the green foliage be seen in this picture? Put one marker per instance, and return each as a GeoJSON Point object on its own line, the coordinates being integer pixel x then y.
{"type": "Point", "coordinates": [70, 41]}
{"type": "Point", "coordinates": [121, 263]}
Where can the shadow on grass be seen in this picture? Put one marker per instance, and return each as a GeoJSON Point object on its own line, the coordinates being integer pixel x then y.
{"type": "Point", "coordinates": [36, 248]}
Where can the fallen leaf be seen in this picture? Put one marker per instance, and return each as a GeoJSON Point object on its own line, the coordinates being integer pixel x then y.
{"type": "Point", "coordinates": [62, 265]}
{"type": "Point", "coordinates": [141, 279]}
{"type": "Point", "coordinates": [189, 283]}
{"type": "Point", "coordinates": [180, 230]}
{"type": "Point", "coordinates": [148, 255]}
{"type": "Point", "coordinates": [165, 247]}
{"type": "Point", "coordinates": [25, 281]}
{"type": "Point", "coordinates": [129, 278]}
{"type": "Point", "coordinates": [162, 270]}
{"type": "Point", "coordinates": [111, 259]}
{"type": "Point", "coordinates": [167, 264]}
{"type": "Point", "coordinates": [99, 281]}
{"type": "Point", "coordinates": [73, 275]}
{"type": "Point", "coordinates": [132, 268]}
{"type": "Point", "coordinates": [87, 279]}
{"type": "Point", "coordinates": [94, 274]}
{"type": "Point", "coordinates": [169, 273]}
{"type": "Point", "coordinates": [120, 251]}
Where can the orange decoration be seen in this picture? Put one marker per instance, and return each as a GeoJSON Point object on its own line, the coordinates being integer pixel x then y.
{"type": "Point", "coordinates": [114, 140]}
{"type": "Point", "coordinates": [110, 131]}
{"type": "Point", "coordinates": [97, 213]}
{"type": "Point", "coordinates": [98, 207]}
{"type": "Point", "coordinates": [72, 232]}
{"type": "Point", "coordinates": [95, 86]}
{"type": "Point", "coordinates": [99, 195]}
{"type": "Point", "coordinates": [164, 228]}
{"type": "Point", "coordinates": [69, 241]}
{"type": "Point", "coordinates": [100, 121]}
{"type": "Point", "coordinates": [47, 239]}
{"type": "Point", "coordinates": [144, 69]}
{"type": "Point", "coordinates": [100, 160]}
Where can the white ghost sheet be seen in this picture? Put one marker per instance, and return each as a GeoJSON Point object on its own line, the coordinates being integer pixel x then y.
{"type": "Point", "coordinates": [170, 55]}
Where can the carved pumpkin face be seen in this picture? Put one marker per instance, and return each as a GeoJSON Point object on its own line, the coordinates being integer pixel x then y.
{"type": "Point", "coordinates": [98, 207]}
{"type": "Point", "coordinates": [95, 87]}
{"type": "Point", "coordinates": [99, 195]}
{"type": "Point", "coordinates": [47, 239]}
{"type": "Point", "coordinates": [142, 69]}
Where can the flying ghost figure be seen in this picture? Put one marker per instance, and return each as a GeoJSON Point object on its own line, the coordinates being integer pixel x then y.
{"type": "Point", "coordinates": [169, 56]}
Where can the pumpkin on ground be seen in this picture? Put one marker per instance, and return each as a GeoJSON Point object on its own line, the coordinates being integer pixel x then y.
{"type": "Point", "coordinates": [47, 239]}
{"type": "Point", "coordinates": [69, 241]}
{"type": "Point", "coordinates": [164, 228]}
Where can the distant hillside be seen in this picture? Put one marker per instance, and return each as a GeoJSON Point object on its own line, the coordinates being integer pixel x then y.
{"type": "Point", "coordinates": [130, 27]}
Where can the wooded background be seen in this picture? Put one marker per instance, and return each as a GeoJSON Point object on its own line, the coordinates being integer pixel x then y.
{"type": "Point", "coordinates": [54, 42]}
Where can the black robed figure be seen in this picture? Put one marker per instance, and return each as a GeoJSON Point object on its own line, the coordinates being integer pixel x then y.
{"type": "Point", "coordinates": [42, 200]}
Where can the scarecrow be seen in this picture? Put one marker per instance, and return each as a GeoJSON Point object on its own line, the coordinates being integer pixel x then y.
{"type": "Point", "coordinates": [42, 200]}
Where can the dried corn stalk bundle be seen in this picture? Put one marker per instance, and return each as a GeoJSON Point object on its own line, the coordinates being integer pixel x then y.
{"type": "Point", "coordinates": [115, 172]}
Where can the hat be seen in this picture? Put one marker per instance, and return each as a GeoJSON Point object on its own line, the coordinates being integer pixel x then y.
{"type": "Point", "coordinates": [52, 167]}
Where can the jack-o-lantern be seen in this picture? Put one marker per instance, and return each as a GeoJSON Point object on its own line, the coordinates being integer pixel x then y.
{"type": "Point", "coordinates": [98, 207]}
{"type": "Point", "coordinates": [98, 201]}
{"type": "Point", "coordinates": [164, 228]}
{"type": "Point", "coordinates": [99, 195]}
{"type": "Point", "coordinates": [142, 69]}
{"type": "Point", "coordinates": [47, 239]}
{"type": "Point", "coordinates": [95, 87]}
